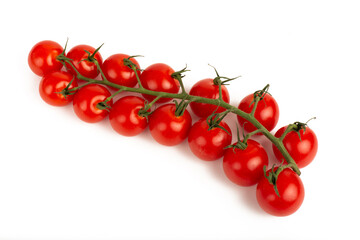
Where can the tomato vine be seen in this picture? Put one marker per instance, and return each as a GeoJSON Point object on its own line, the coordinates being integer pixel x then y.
{"type": "Point", "coordinates": [87, 64]}
{"type": "Point", "coordinates": [184, 95]}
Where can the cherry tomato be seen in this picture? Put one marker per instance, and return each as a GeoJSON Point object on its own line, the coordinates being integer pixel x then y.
{"type": "Point", "coordinates": [85, 68]}
{"type": "Point", "coordinates": [42, 57]}
{"type": "Point", "coordinates": [245, 167]}
{"type": "Point", "coordinates": [207, 144]}
{"type": "Point", "coordinates": [267, 112]}
{"type": "Point", "coordinates": [157, 77]}
{"type": "Point", "coordinates": [208, 89]}
{"type": "Point", "coordinates": [167, 128]}
{"type": "Point", "coordinates": [291, 191]}
{"type": "Point", "coordinates": [116, 72]}
{"type": "Point", "coordinates": [302, 151]}
{"type": "Point", "coordinates": [86, 100]}
{"type": "Point", "coordinates": [124, 117]}
{"type": "Point", "coordinates": [52, 84]}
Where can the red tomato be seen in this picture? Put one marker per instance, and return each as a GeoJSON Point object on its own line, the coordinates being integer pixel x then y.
{"type": "Point", "coordinates": [85, 68]}
{"type": "Point", "coordinates": [157, 77]}
{"type": "Point", "coordinates": [124, 117]}
{"type": "Point", "coordinates": [86, 99]}
{"type": "Point", "coordinates": [116, 72]}
{"type": "Point", "coordinates": [245, 167]}
{"type": "Point", "coordinates": [42, 57]}
{"type": "Point", "coordinates": [207, 144]}
{"type": "Point", "coordinates": [52, 84]}
{"type": "Point", "coordinates": [302, 151]}
{"type": "Point", "coordinates": [291, 191]}
{"type": "Point", "coordinates": [167, 128]}
{"type": "Point", "coordinates": [207, 89]}
{"type": "Point", "coordinates": [267, 112]}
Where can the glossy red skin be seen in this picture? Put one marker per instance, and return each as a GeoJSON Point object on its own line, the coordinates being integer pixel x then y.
{"type": "Point", "coordinates": [245, 167]}
{"type": "Point", "coordinates": [208, 145]}
{"type": "Point", "coordinates": [167, 128]}
{"type": "Point", "coordinates": [267, 112]}
{"type": "Point", "coordinates": [86, 99]}
{"type": "Point", "coordinates": [124, 117]}
{"type": "Point", "coordinates": [85, 68]}
{"type": "Point", "coordinates": [291, 190]}
{"type": "Point", "coordinates": [116, 72]}
{"type": "Point", "coordinates": [207, 89]}
{"type": "Point", "coordinates": [157, 77]}
{"type": "Point", "coordinates": [42, 57]}
{"type": "Point", "coordinates": [52, 84]}
{"type": "Point", "coordinates": [302, 151]}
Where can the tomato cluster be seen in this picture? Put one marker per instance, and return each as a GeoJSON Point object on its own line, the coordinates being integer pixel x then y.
{"type": "Point", "coordinates": [245, 162]}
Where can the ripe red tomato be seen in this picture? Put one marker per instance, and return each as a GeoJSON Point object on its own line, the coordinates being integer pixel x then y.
{"type": "Point", "coordinates": [291, 191]}
{"type": "Point", "coordinates": [245, 167]}
{"type": "Point", "coordinates": [167, 128]}
{"type": "Point", "coordinates": [302, 151]}
{"type": "Point", "coordinates": [124, 117]}
{"type": "Point", "coordinates": [208, 89]}
{"type": "Point", "coordinates": [52, 84]}
{"type": "Point", "coordinates": [85, 68]}
{"type": "Point", "coordinates": [86, 99]}
{"type": "Point", "coordinates": [42, 57]}
{"type": "Point", "coordinates": [116, 72]}
{"type": "Point", "coordinates": [267, 112]}
{"type": "Point", "coordinates": [207, 144]}
{"type": "Point", "coordinates": [157, 77]}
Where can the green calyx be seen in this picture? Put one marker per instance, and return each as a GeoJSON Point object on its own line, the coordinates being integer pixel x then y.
{"type": "Point", "coordinates": [218, 79]}
{"type": "Point", "coordinates": [66, 91]}
{"type": "Point", "coordinates": [179, 74]}
{"type": "Point", "coordinates": [130, 64]}
{"type": "Point", "coordinates": [296, 127]}
{"type": "Point", "coordinates": [146, 110]}
{"type": "Point", "coordinates": [215, 119]}
{"type": "Point", "coordinates": [274, 174]}
{"type": "Point", "coordinates": [91, 56]}
{"type": "Point", "coordinates": [240, 144]}
{"type": "Point", "coordinates": [103, 106]}
{"type": "Point", "coordinates": [61, 57]}
{"type": "Point", "coordinates": [260, 94]}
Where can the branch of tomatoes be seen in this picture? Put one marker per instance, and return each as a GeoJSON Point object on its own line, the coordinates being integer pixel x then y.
{"type": "Point", "coordinates": [184, 95]}
{"type": "Point", "coordinates": [84, 63]}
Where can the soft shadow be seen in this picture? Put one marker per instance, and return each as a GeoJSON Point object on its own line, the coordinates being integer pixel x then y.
{"type": "Point", "coordinates": [247, 195]}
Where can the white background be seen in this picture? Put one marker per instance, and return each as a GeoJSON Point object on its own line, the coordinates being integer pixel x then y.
{"type": "Point", "coordinates": [61, 178]}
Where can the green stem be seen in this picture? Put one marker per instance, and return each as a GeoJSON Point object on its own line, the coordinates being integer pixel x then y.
{"type": "Point", "coordinates": [256, 101]}
{"type": "Point", "coordinates": [289, 128]}
{"type": "Point", "coordinates": [183, 95]}
{"type": "Point", "coordinates": [101, 72]}
{"type": "Point", "coordinates": [251, 134]}
{"type": "Point", "coordinates": [137, 76]}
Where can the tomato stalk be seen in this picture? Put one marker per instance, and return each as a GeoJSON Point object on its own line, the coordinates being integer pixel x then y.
{"type": "Point", "coordinates": [184, 95]}
{"type": "Point", "coordinates": [215, 119]}
{"type": "Point", "coordinates": [272, 176]}
{"type": "Point", "coordinates": [296, 126]}
{"type": "Point", "coordinates": [181, 107]}
{"type": "Point", "coordinates": [132, 66]}
{"type": "Point", "coordinates": [103, 105]}
{"type": "Point", "coordinates": [179, 76]}
{"type": "Point", "coordinates": [258, 96]}
{"type": "Point", "coordinates": [101, 72]}
{"type": "Point", "coordinates": [217, 81]}
{"type": "Point", "coordinates": [144, 112]}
